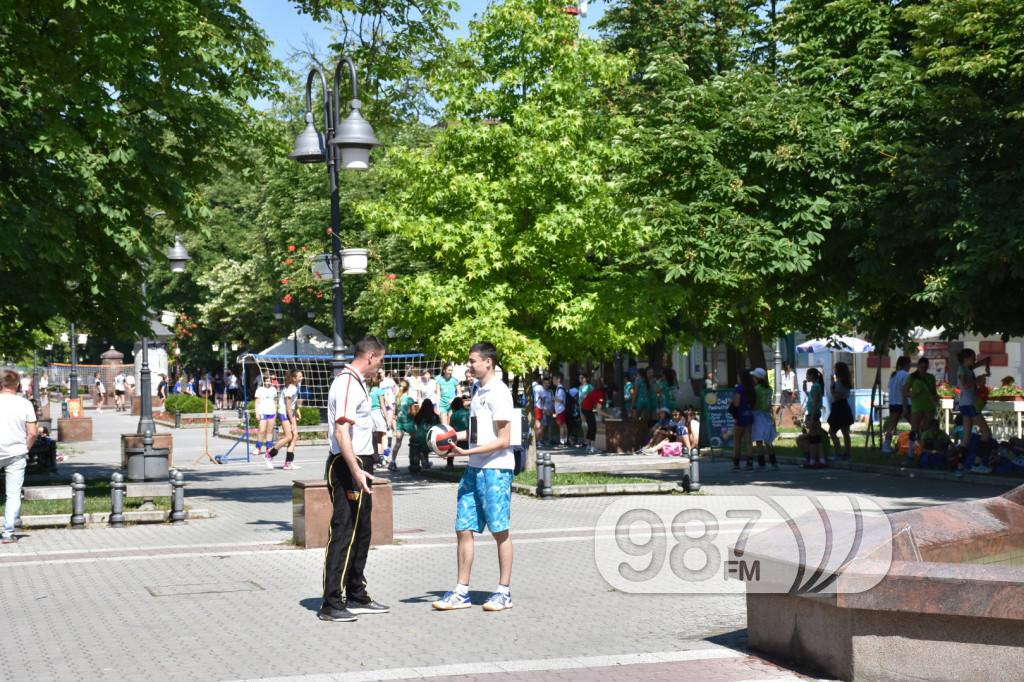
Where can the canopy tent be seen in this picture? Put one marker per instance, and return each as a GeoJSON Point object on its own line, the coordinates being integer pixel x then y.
{"type": "Point", "coordinates": [306, 340]}
{"type": "Point", "coordinates": [836, 343]}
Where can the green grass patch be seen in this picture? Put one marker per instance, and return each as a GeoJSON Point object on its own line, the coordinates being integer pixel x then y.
{"type": "Point", "coordinates": [97, 499]}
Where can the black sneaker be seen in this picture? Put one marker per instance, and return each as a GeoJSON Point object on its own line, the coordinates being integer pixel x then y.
{"type": "Point", "coordinates": [330, 613]}
{"type": "Point", "coordinates": [367, 608]}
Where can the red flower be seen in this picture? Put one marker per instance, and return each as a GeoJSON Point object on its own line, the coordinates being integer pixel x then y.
{"type": "Point", "coordinates": [319, 294]}
{"type": "Point", "coordinates": [287, 298]}
{"type": "Point", "coordinates": [284, 281]}
{"type": "Point", "coordinates": [392, 276]}
{"type": "Point", "coordinates": [289, 261]}
{"type": "Point", "coordinates": [291, 247]}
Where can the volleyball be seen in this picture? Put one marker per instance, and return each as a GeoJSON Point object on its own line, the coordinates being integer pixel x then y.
{"type": "Point", "coordinates": [441, 439]}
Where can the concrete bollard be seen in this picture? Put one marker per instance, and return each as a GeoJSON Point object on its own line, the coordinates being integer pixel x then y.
{"type": "Point", "coordinates": [694, 470]}
{"type": "Point", "coordinates": [117, 490]}
{"type": "Point", "coordinates": [77, 501]}
{"type": "Point", "coordinates": [216, 425]}
{"type": "Point", "coordinates": [177, 419]}
{"type": "Point", "coordinates": [177, 497]}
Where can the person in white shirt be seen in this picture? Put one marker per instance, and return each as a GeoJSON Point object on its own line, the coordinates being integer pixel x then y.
{"type": "Point", "coordinates": [289, 414]}
{"type": "Point", "coordinates": [558, 407]}
{"type": "Point", "coordinates": [17, 435]}
{"type": "Point", "coordinates": [429, 391]}
{"type": "Point", "coordinates": [485, 491]}
{"type": "Point", "coordinates": [119, 389]}
{"type": "Point", "coordinates": [350, 482]}
{"type": "Point", "coordinates": [101, 392]}
{"type": "Point", "coordinates": [232, 388]}
{"type": "Point", "coordinates": [129, 385]}
{"type": "Point", "coordinates": [897, 410]}
{"type": "Point", "coordinates": [266, 413]}
{"type": "Point", "coordinates": [44, 386]}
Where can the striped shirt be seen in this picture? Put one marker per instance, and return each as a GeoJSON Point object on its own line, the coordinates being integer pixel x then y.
{"type": "Point", "coordinates": [348, 403]}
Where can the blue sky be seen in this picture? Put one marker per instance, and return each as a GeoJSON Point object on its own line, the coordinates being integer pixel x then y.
{"type": "Point", "coordinates": [288, 29]}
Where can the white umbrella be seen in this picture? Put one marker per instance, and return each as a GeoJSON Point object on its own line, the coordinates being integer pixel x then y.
{"type": "Point", "coordinates": [836, 343]}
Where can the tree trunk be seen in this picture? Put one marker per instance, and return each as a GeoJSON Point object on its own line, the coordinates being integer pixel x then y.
{"type": "Point", "coordinates": [755, 347]}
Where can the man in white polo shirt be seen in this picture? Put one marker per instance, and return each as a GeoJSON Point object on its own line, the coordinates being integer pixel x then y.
{"type": "Point", "coordinates": [485, 491]}
{"type": "Point", "coordinates": [17, 435]}
{"type": "Point", "coordinates": [350, 484]}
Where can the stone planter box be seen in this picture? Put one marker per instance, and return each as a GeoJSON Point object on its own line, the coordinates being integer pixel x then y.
{"type": "Point", "coordinates": [134, 440]}
{"type": "Point", "coordinates": [74, 430]}
{"type": "Point", "coordinates": [621, 435]}
{"type": "Point", "coordinates": [137, 405]}
{"type": "Point", "coordinates": [311, 513]}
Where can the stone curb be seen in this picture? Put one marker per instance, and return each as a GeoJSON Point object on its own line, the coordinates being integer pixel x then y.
{"type": "Point", "coordinates": [600, 489]}
{"type": "Point", "coordinates": [64, 520]}
{"type": "Point", "coordinates": [934, 474]}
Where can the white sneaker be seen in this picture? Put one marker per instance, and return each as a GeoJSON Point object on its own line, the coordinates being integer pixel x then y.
{"type": "Point", "coordinates": [498, 601]}
{"type": "Point", "coordinates": [269, 461]}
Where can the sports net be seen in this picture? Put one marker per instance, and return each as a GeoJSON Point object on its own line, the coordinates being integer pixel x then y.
{"type": "Point", "coordinates": [318, 372]}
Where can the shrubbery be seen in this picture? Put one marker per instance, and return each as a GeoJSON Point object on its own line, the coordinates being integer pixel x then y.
{"type": "Point", "coordinates": [182, 402]}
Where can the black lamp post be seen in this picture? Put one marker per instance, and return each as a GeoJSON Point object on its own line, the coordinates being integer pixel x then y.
{"type": "Point", "coordinates": [348, 143]}
{"type": "Point", "coordinates": [178, 257]}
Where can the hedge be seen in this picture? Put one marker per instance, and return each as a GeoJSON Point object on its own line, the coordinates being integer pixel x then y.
{"type": "Point", "coordinates": [183, 402]}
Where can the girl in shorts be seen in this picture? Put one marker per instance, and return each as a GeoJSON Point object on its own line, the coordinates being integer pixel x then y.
{"type": "Point", "coordinates": [763, 431]}
{"type": "Point", "coordinates": [288, 413]}
{"type": "Point", "coordinates": [924, 401]}
{"type": "Point", "coordinates": [969, 405]}
{"type": "Point", "coordinates": [266, 413]}
{"type": "Point", "coordinates": [840, 417]}
{"type": "Point", "coordinates": [809, 441]}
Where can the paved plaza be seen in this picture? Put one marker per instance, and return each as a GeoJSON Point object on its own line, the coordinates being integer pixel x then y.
{"type": "Point", "coordinates": [229, 598]}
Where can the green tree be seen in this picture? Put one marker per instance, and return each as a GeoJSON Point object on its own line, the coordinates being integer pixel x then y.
{"type": "Point", "coordinates": [506, 225]}
{"type": "Point", "coordinates": [109, 110]}
{"type": "Point", "coordinates": [929, 227]}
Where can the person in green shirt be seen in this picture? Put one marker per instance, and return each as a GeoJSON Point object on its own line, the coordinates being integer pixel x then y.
{"type": "Point", "coordinates": [763, 431]}
{"type": "Point", "coordinates": [403, 423]}
{"type": "Point", "coordinates": [585, 387]}
{"type": "Point", "coordinates": [924, 401]}
{"type": "Point", "coordinates": [809, 441]}
{"type": "Point", "coordinates": [447, 389]}
{"type": "Point", "coordinates": [459, 422]}
{"type": "Point", "coordinates": [666, 393]}
{"type": "Point", "coordinates": [378, 418]}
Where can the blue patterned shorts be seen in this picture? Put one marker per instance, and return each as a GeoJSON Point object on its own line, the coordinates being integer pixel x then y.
{"type": "Point", "coordinates": [485, 496]}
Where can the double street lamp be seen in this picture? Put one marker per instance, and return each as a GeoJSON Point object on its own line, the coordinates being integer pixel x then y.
{"type": "Point", "coordinates": [178, 258]}
{"type": "Point", "coordinates": [296, 312]}
{"type": "Point", "coordinates": [348, 145]}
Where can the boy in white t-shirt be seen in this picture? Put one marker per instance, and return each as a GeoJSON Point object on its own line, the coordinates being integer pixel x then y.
{"type": "Point", "coordinates": [119, 389]}
{"type": "Point", "coordinates": [485, 491]}
{"type": "Point", "coordinates": [897, 410]}
{"type": "Point", "coordinates": [17, 435]}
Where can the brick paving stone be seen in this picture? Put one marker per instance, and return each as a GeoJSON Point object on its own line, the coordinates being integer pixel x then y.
{"type": "Point", "coordinates": [89, 606]}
